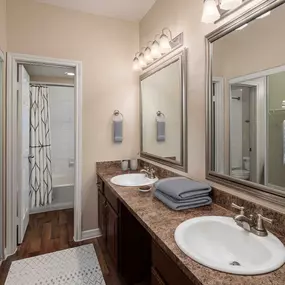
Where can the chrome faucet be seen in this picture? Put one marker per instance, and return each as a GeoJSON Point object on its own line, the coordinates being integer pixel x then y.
{"type": "Point", "coordinates": [149, 172]}
{"type": "Point", "coordinates": [249, 225]}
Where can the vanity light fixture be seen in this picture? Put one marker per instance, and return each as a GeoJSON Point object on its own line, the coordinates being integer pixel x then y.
{"type": "Point", "coordinates": [136, 63]}
{"type": "Point", "coordinates": [210, 12]}
{"type": "Point", "coordinates": [142, 60]}
{"type": "Point", "coordinates": [155, 50]}
{"type": "Point", "coordinates": [161, 46]}
{"type": "Point", "coordinates": [147, 55]}
{"type": "Point", "coordinates": [164, 41]}
{"type": "Point", "coordinates": [230, 4]}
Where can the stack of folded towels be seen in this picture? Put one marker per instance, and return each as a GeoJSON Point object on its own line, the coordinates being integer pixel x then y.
{"type": "Point", "coordinates": [180, 193]}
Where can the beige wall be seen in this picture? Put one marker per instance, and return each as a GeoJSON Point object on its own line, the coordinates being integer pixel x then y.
{"type": "Point", "coordinates": [185, 16]}
{"type": "Point", "coordinates": [106, 47]}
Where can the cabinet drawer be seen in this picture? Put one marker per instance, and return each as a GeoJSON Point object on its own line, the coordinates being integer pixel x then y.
{"type": "Point", "coordinates": [100, 184]}
{"type": "Point", "coordinates": [167, 268]}
{"type": "Point", "coordinates": [111, 198]}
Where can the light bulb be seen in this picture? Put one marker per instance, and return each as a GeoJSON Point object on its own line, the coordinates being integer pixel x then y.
{"type": "Point", "coordinates": [142, 60]}
{"type": "Point", "coordinates": [155, 50]}
{"type": "Point", "coordinates": [147, 55]}
{"type": "Point", "coordinates": [230, 4]}
{"type": "Point", "coordinates": [136, 64]}
{"type": "Point", "coordinates": [164, 44]}
{"type": "Point", "coordinates": [210, 12]}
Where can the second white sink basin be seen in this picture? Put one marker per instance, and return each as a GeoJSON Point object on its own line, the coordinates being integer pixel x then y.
{"type": "Point", "coordinates": [218, 243]}
{"type": "Point", "coordinates": [132, 180]}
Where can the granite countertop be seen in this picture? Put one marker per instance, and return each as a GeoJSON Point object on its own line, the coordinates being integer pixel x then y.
{"type": "Point", "coordinates": [161, 223]}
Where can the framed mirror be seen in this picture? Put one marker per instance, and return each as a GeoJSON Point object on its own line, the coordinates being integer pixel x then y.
{"type": "Point", "coordinates": [163, 110]}
{"type": "Point", "coordinates": [246, 102]}
{"type": "Point", "coordinates": [1, 153]}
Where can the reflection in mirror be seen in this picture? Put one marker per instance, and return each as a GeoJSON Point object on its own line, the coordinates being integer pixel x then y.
{"type": "Point", "coordinates": [248, 102]}
{"type": "Point", "coordinates": [162, 112]}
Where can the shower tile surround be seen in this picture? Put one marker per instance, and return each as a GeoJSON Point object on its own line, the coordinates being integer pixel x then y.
{"type": "Point", "coordinates": [161, 222]}
{"type": "Point", "coordinates": [219, 197]}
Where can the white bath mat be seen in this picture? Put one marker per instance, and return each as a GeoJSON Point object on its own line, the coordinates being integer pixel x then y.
{"type": "Point", "coordinates": [75, 266]}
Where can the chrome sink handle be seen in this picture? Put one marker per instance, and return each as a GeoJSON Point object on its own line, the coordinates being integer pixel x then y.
{"type": "Point", "coordinates": [240, 208]}
{"type": "Point", "coordinates": [152, 173]}
{"type": "Point", "coordinates": [259, 229]}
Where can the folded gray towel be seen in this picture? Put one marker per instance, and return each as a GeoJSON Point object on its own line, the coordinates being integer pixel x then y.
{"type": "Point", "coordinates": [160, 131]}
{"type": "Point", "coordinates": [118, 131]}
{"type": "Point", "coordinates": [183, 205]}
{"type": "Point", "coordinates": [181, 188]}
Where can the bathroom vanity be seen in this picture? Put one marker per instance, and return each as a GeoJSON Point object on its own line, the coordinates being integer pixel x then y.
{"type": "Point", "coordinates": [139, 234]}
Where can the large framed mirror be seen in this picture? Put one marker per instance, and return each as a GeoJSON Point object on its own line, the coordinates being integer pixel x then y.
{"type": "Point", "coordinates": [163, 109]}
{"type": "Point", "coordinates": [246, 102]}
{"type": "Point", "coordinates": [2, 72]}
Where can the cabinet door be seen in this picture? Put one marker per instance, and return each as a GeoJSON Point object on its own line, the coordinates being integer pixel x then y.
{"type": "Point", "coordinates": [102, 214]}
{"type": "Point", "coordinates": [155, 278]}
{"type": "Point", "coordinates": [112, 233]}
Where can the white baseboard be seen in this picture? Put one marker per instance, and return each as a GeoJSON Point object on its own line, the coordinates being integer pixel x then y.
{"type": "Point", "coordinates": [91, 234]}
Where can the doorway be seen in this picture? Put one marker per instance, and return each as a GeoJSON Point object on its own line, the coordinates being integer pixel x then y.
{"type": "Point", "coordinates": [44, 141]}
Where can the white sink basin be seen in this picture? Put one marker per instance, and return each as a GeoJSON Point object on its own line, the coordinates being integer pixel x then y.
{"type": "Point", "coordinates": [218, 243]}
{"type": "Point", "coordinates": [132, 180]}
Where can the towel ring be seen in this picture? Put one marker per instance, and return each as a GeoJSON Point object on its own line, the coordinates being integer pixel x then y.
{"type": "Point", "coordinates": [118, 113]}
{"type": "Point", "coordinates": [158, 113]}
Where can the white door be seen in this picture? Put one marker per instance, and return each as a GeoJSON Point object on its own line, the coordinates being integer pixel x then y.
{"type": "Point", "coordinates": [23, 142]}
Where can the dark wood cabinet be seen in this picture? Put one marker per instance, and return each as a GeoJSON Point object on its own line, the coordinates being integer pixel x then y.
{"type": "Point", "coordinates": [165, 267]}
{"type": "Point", "coordinates": [112, 232]}
{"type": "Point", "coordinates": [137, 257]}
{"type": "Point", "coordinates": [108, 218]}
{"type": "Point", "coordinates": [102, 204]}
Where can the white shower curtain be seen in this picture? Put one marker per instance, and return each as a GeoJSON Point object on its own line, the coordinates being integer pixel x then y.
{"type": "Point", "coordinates": [40, 147]}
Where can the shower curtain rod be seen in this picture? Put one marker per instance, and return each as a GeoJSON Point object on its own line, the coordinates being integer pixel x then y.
{"type": "Point", "coordinates": [51, 84]}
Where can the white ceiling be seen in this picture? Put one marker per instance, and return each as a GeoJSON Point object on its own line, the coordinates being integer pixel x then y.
{"type": "Point", "coordinates": [132, 10]}
{"type": "Point", "coordinates": [48, 71]}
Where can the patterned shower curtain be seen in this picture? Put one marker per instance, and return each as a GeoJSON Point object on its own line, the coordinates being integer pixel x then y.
{"type": "Point", "coordinates": [40, 147]}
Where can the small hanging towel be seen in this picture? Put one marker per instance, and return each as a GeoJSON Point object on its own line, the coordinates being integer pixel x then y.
{"type": "Point", "coordinates": [160, 126]}
{"type": "Point", "coordinates": [118, 127]}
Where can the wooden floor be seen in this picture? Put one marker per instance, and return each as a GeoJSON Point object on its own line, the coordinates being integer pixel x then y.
{"type": "Point", "coordinates": [53, 231]}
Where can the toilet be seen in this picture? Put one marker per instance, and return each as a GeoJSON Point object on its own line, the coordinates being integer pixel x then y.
{"type": "Point", "coordinates": [246, 163]}
{"type": "Point", "coordinates": [244, 173]}
{"type": "Point", "coordinates": [241, 174]}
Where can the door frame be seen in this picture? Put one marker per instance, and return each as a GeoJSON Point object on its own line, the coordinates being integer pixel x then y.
{"type": "Point", "coordinates": [220, 125]}
{"type": "Point", "coordinates": [259, 81]}
{"type": "Point", "coordinates": [13, 59]}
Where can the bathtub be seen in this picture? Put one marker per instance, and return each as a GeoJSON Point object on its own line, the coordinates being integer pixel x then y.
{"type": "Point", "coordinates": [62, 198]}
